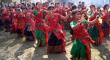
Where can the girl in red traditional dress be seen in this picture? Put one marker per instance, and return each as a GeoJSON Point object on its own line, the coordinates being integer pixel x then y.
{"type": "Point", "coordinates": [20, 23]}
{"type": "Point", "coordinates": [29, 27]}
{"type": "Point", "coordinates": [81, 49]}
{"type": "Point", "coordinates": [56, 42]}
{"type": "Point", "coordinates": [105, 21]}
{"type": "Point", "coordinates": [94, 27]}
{"type": "Point", "coordinates": [41, 31]}
{"type": "Point", "coordinates": [6, 19]}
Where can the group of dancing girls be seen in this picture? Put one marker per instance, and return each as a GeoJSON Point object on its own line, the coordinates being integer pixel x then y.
{"type": "Point", "coordinates": [45, 25]}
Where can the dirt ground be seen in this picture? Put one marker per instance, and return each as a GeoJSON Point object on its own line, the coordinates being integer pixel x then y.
{"type": "Point", "coordinates": [14, 48]}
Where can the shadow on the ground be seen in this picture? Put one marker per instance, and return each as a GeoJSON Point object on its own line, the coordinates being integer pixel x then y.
{"type": "Point", "coordinates": [41, 54]}
{"type": "Point", "coordinates": [57, 57]}
{"type": "Point", "coordinates": [104, 51]}
{"type": "Point", "coordinates": [20, 51]}
{"type": "Point", "coordinates": [7, 39]}
{"type": "Point", "coordinates": [15, 42]}
{"type": "Point", "coordinates": [24, 47]}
